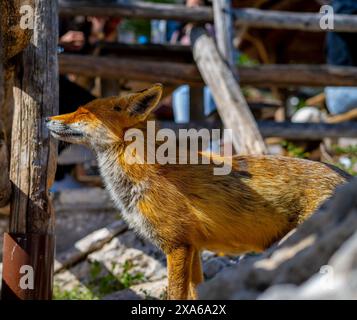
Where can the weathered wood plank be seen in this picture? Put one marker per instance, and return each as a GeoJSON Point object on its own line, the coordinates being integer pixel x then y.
{"type": "Point", "coordinates": [231, 105]}
{"type": "Point", "coordinates": [134, 69]}
{"type": "Point", "coordinates": [32, 150]}
{"type": "Point", "coordinates": [181, 73]}
{"type": "Point", "coordinates": [257, 18]}
{"type": "Point", "coordinates": [223, 24]}
{"type": "Point", "coordinates": [5, 185]}
{"type": "Point", "coordinates": [243, 17]}
{"type": "Point", "coordinates": [286, 130]}
{"type": "Point", "coordinates": [142, 10]}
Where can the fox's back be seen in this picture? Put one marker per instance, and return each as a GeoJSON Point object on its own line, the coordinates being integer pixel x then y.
{"type": "Point", "coordinates": [259, 201]}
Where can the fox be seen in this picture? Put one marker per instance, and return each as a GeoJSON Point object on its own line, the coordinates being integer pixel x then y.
{"type": "Point", "coordinates": [184, 208]}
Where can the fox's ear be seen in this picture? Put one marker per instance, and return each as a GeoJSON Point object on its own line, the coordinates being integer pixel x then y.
{"type": "Point", "coordinates": [143, 102]}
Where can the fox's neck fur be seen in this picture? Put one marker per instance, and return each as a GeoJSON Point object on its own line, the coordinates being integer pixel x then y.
{"type": "Point", "coordinates": [127, 185]}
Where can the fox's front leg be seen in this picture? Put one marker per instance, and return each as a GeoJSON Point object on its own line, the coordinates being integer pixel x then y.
{"type": "Point", "coordinates": [196, 274]}
{"type": "Point", "coordinates": [179, 262]}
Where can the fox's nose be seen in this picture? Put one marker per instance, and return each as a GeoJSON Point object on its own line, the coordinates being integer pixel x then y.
{"type": "Point", "coordinates": [47, 119]}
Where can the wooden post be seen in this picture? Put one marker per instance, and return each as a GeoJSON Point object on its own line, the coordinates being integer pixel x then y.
{"type": "Point", "coordinates": [29, 246]}
{"type": "Point", "coordinates": [5, 186]}
{"type": "Point", "coordinates": [216, 68]}
{"type": "Point", "coordinates": [230, 102]}
{"type": "Point", "coordinates": [223, 24]}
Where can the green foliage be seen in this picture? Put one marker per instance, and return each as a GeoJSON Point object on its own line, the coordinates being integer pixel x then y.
{"type": "Point", "coordinates": [101, 282]}
{"type": "Point", "coordinates": [301, 103]}
{"type": "Point", "coordinates": [245, 60]}
{"type": "Point", "coordinates": [77, 293]}
{"type": "Point", "coordinates": [294, 151]}
{"type": "Point", "coordinates": [351, 153]}
{"type": "Point", "coordinates": [108, 283]}
{"type": "Point", "coordinates": [137, 26]}
{"type": "Point", "coordinates": [141, 27]}
{"type": "Point", "coordinates": [127, 279]}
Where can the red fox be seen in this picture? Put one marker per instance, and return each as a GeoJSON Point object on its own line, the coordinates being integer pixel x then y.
{"type": "Point", "coordinates": [185, 208]}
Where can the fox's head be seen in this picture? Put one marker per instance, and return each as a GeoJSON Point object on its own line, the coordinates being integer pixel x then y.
{"type": "Point", "coordinates": [103, 122]}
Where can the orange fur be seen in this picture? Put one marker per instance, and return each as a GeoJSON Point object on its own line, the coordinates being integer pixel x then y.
{"type": "Point", "coordinates": [185, 208]}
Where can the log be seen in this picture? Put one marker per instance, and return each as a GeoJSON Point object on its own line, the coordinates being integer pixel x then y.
{"type": "Point", "coordinates": [258, 18]}
{"type": "Point", "coordinates": [142, 10]}
{"type": "Point", "coordinates": [5, 185]}
{"type": "Point", "coordinates": [231, 105]}
{"type": "Point", "coordinates": [187, 73]}
{"type": "Point", "coordinates": [90, 243]}
{"type": "Point", "coordinates": [223, 24]}
{"type": "Point", "coordinates": [30, 240]}
{"type": "Point", "coordinates": [307, 131]}
{"type": "Point", "coordinates": [243, 17]}
{"type": "Point", "coordinates": [299, 75]}
{"type": "Point", "coordinates": [36, 97]}
{"type": "Point", "coordinates": [134, 69]}
{"type": "Point", "coordinates": [286, 130]}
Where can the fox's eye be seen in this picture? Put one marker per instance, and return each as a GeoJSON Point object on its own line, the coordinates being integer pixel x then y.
{"type": "Point", "coordinates": [116, 108]}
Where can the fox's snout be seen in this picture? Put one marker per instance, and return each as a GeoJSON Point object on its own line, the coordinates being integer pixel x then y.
{"type": "Point", "coordinates": [52, 125]}
{"type": "Point", "coordinates": [61, 130]}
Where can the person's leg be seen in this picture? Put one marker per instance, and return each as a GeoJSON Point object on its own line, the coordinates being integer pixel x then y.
{"type": "Point", "coordinates": [181, 104]}
{"type": "Point", "coordinates": [208, 103]}
{"type": "Point", "coordinates": [341, 49]}
{"type": "Point", "coordinates": [341, 99]}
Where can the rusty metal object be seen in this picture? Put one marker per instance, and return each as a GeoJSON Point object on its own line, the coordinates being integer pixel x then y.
{"type": "Point", "coordinates": [27, 267]}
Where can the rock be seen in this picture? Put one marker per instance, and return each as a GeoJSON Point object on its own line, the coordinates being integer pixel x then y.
{"type": "Point", "coordinates": [214, 264]}
{"type": "Point", "coordinates": [336, 280]}
{"type": "Point", "coordinates": [294, 260]}
{"type": "Point", "coordinates": [123, 261]}
{"type": "Point", "coordinates": [115, 255]}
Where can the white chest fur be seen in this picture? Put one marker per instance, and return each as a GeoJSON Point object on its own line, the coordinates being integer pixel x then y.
{"type": "Point", "coordinates": [125, 193]}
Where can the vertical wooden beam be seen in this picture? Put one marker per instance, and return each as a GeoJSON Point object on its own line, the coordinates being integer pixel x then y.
{"type": "Point", "coordinates": [216, 65]}
{"type": "Point", "coordinates": [223, 24]}
{"type": "Point", "coordinates": [5, 186]}
{"type": "Point", "coordinates": [30, 240]}
{"type": "Point", "coordinates": [231, 105]}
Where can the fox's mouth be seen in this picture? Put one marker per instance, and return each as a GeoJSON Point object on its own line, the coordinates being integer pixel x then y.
{"type": "Point", "coordinates": [66, 134]}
